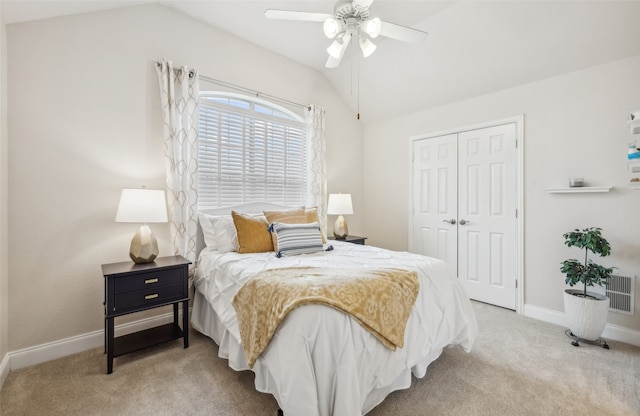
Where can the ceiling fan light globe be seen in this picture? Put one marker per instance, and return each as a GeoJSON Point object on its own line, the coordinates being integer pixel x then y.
{"type": "Point", "coordinates": [367, 46]}
{"type": "Point", "coordinates": [331, 27]}
{"type": "Point", "coordinates": [372, 27]}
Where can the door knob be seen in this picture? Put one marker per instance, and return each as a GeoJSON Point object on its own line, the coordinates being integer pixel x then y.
{"type": "Point", "coordinates": [463, 222]}
{"type": "Point", "coordinates": [452, 221]}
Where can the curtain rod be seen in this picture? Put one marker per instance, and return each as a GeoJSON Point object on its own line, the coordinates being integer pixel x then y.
{"type": "Point", "coordinates": [244, 89]}
{"type": "Point", "coordinates": [253, 92]}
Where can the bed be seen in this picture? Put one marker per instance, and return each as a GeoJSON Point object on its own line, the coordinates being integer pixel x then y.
{"type": "Point", "coordinates": [321, 361]}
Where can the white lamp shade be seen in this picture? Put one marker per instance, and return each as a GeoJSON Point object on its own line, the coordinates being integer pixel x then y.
{"type": "Point", "coordinates": [142, 206]}
{"type": "Point", "coordinates": [339, 204]}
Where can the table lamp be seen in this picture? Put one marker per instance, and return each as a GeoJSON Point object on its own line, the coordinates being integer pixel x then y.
{"type": "Point", "coordinates": [340, 204]}
{"type": "Point", "coordinates": [142, 206]}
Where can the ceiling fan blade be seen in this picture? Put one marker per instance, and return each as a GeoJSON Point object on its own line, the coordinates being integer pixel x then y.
{"type": "Point", "coordinates": [402, 33]}
{"type": "Point", "coordinates": [332, 62]}
{"type": "Point", "coordinates": [294, 15]}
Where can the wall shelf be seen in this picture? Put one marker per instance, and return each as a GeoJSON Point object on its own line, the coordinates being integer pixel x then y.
{"type": "Point", "coordinates": [634, 185]}
{"type": "Point", "coordinates": [579, 190]}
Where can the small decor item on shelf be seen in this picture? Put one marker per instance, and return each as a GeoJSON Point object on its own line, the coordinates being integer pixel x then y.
{"type": "Point", "coordinates": [576, 182]}
{"type": "Point", "coordinates": [634, 121]}
{"type": "Point", "coordinates": [633, 153]}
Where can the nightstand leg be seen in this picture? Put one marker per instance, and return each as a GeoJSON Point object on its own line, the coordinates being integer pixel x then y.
{"type": "Point", "coordinates": [185, 323]}
{"type": "Point", "coordinates": [175, 316]}
{"type": "Point", "coordinates": [109, 328]}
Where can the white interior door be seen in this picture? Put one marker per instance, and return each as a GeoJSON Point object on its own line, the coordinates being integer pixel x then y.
{"type": "Point", "coordinates": [487, 214]}
{"type": "Point", "coordinates": [435, 172]}
{"type": "Point", "coordinates": [464, 208]}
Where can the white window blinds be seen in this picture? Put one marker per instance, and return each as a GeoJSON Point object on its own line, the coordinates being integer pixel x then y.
{"type": "Point", "coordinates": [249, 150]}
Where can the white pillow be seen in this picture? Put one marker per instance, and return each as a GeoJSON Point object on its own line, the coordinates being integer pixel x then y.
{"type": "Point", "coordinates": [219, 232]}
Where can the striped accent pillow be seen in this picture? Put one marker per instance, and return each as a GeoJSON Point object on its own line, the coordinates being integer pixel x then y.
{"type": "Point", "coordinates": [296, 239]}
{"type": "Point", "coordinates": [288, 216]}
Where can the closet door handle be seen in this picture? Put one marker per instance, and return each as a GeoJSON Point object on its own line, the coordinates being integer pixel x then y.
{"type": "Point", "coordinates": [463, 222]}
{"type": "Point", "coordinates": [452, 221]}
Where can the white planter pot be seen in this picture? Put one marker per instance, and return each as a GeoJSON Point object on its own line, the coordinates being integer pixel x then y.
{"type": "Point", "coordinates": [585, 317]}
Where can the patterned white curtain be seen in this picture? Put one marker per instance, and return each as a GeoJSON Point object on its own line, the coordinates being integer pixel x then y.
{"type": "Point", "coordinates": [179, 97]}
{"type": "Point", "coordinates": [317, 166]}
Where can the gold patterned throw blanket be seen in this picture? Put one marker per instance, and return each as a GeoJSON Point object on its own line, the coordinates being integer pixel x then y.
{"type": "Point", "coordinates": [379, 299]}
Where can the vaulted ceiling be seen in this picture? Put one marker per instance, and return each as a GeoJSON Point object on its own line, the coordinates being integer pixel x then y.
{"type": "Point", "coordinates": [473, 48]}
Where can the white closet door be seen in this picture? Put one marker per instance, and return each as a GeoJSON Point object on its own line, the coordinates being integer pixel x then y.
{"type": "Point", "coordinates": [464, 208]}
{"type": "Point", "coordinates": [435, 171]}
{"type": "Point", "coordinates": [487, 214]}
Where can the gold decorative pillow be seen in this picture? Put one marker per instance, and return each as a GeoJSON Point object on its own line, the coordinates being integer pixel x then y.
{"type": "Point", "coordinates": [312, 216]}
{"type": "Point", "coordinates": [287, 216]}
{"type": "Point", "coordinates": [253, 236]}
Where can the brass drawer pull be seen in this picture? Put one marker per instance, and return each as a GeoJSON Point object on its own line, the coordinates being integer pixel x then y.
{"type": "Point", "coordinates": [149, 281]}
{"type": "Point", "coordinates": [148, 297]}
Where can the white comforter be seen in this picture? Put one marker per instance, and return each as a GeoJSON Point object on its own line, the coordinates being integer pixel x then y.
{"type": "Point", "coordinates": [321, 362]}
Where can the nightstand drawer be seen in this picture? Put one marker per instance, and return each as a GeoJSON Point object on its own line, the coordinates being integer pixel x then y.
{"type": "Point", "coordinates": [142, 299]}
{"type": "Point", "coordinates": [149, 281]}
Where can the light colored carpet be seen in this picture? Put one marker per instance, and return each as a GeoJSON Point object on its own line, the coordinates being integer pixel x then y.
{"type": "Point", "coordinates": [518, 366]}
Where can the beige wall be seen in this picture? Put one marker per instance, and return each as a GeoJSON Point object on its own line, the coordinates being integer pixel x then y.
{"type": "Point", "coordinates": [85, 122]}
{"type": "Point", "coordinates": [4, 278]}
{"type": "Point", "coordinates": [575, 125]}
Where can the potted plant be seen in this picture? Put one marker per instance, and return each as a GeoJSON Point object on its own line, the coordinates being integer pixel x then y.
{"type": "Point", "coordinates": [586, 312]}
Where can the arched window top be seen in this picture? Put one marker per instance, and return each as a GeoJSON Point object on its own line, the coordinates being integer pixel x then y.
{"type": "Point", "coordinates": [251, 104]}
{"type": "Point", "coordinates": [249, 150]}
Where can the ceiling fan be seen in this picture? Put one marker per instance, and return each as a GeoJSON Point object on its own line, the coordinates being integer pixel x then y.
{"type": "Point", "coordinates": [351, 19]}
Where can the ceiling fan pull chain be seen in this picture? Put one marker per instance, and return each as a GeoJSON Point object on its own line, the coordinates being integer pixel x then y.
{"type": "Point", "coordinates": [351, 80]}
{"type": "Point", "coordinates": [359, 89]}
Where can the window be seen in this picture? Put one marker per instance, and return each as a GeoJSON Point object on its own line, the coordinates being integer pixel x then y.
{"type": "Point", "coordinates": [249, 150]}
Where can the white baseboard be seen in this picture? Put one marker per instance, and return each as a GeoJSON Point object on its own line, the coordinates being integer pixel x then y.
{"type": "Point", "coordinates": [543, 314]}
{"type": "Point", "coordinates": [611, 332]}
{"type": "Point", "coordinates": [61, 348]}
{"type": "Point", "coordinates": [622, 334]}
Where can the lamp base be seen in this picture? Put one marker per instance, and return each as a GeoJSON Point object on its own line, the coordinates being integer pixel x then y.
{"type": "Point", "coordinates": [144, 246]}
{"type": "Point", "coordinates": [340, 230]}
